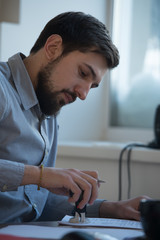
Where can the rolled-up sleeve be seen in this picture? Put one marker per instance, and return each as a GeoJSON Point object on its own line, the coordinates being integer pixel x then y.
{"type": "Point", "coordinates": [11, 174]}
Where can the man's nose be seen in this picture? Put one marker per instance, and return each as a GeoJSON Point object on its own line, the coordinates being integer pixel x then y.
{"type": "Point", "coordinates": [82, 90]}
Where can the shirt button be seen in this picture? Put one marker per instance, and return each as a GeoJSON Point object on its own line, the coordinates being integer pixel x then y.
{"type": "Point", "coordinates": [34, 206]}
{"type": "Point", "coordinates": [47, 153]}
{"type": "Point", "coordinates": [4, 188]}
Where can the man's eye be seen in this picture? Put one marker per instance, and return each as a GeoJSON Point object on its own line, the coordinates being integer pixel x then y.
{"type": "Point", "coordinates": [83, 74]}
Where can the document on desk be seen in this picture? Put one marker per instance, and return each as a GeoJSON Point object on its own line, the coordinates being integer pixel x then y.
{"type": "Point", "coordinates": [103, 222]}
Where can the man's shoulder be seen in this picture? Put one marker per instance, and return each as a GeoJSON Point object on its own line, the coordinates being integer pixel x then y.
{"type": "Point", "coordinates": [5, 68]}
{"type": "Point", "coordinates": [4, 71]}
{"type": "Point", "coordinates": [5, 75]}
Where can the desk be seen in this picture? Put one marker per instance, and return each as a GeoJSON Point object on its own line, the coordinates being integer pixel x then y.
{"type": "Point", "coordinates": [51, 230]}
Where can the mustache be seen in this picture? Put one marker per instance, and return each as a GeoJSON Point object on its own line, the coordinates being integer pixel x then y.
{"type": "Point", "coordinates": [72, 94]}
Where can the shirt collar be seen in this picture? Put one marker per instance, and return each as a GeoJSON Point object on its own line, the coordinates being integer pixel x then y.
{"type": "Point", "coordinates": [22, 81]}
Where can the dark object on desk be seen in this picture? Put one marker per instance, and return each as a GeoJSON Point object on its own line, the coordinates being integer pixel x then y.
{"type": "Point", "coordinates": [150, 218]}
{"type": "Point", "coordinates": [156, 142]}
{"type": "Point", "coordinates": [77, 235]}
{"type": "Point", "coordinates": [79, 214]}
{"type": "Point", "coordinates": [137, 238]}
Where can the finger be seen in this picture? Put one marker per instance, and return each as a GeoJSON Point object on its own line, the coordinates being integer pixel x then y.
{"type": "Point", "coordinates": [80, 181]}
{"type": "Point", "coordinates": [93, 174]}
{"type": "Point", "coordinates": [74, 193]}
{"type": "Point", "coordinates": [85, 197]}
{"type": "Point", "coordinates": [133, 214]}
{"type": "Point", "coordinates": [93, 186]}
{"type": "Point", "coordinates": [95, 179]}
{"type": "Point", "coordinates": [90, 193]}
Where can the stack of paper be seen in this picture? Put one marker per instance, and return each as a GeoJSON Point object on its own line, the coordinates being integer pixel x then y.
{"type": "Point", "coordinates": [103, 222]}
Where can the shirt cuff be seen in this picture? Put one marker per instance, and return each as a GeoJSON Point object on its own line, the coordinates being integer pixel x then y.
{"type": "Point", "coordinates": [11, 175]}
{"type": "Point", "coordinates": [93, 210]}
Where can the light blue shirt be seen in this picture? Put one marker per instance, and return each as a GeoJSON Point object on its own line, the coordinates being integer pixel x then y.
{"type": "Point", "coordinates": [26, 137]}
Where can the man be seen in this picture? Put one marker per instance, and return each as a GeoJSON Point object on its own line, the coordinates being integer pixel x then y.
{"type": "Point", "coordinates": [70, 57]}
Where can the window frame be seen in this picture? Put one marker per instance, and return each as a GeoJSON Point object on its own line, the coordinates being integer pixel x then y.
{"type": "Point", "coordinates": [122, 134]}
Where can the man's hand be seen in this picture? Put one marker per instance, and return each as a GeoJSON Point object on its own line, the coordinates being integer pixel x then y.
{"type": "Point", "coordinates": [61, 181]}
{"type": "Point", "coordinates": [127, 209]}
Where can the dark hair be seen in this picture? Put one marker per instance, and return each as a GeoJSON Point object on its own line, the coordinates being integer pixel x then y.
{"type": "Point", "coordinates": [80, 31]}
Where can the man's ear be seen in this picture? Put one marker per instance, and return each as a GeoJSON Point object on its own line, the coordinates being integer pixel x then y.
{"type": "Point", "coordinates": [53, 47]}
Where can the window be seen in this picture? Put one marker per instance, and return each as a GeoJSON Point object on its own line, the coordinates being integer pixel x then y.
{"type": "Point", "coordinates": [135, 84]}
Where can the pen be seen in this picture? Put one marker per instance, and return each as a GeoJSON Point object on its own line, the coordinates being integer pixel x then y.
{"type": "Point", "coordinates": [101, 181]}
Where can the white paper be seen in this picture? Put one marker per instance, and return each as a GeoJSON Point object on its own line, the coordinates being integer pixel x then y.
{"type": "Point", "coordinates": [43, 232]}
{"type": "Point", "coordinates": [103, 222]}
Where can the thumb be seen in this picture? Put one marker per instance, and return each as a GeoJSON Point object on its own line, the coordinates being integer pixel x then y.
{"type": "Point", "coordinates": [133, 214]}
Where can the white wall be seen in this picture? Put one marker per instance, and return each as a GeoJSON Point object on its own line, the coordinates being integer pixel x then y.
{"type": "Point", "coordinates": [34, 14]}
{"type": "Point", "coordinates": [78, 121]}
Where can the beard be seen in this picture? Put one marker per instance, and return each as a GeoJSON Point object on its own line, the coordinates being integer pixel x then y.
{"type": "Point", "coordinates": [50, 101]}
